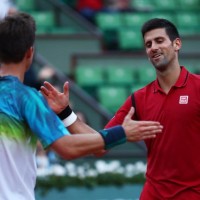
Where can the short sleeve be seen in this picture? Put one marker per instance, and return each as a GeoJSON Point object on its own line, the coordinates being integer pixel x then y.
{"type": "Point", "coordinates": [42, 121]}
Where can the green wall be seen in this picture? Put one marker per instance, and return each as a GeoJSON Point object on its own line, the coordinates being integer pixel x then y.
{"type": "Point", "coordinates": [58, 49]}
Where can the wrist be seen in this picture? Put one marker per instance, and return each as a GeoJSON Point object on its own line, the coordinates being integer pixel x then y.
{"type": "Point", "coordinates": [67, 116]}
{"type": "Point", "coordinates": [65, 113]}
{"type": "Point", "coordinates": [113, 136]}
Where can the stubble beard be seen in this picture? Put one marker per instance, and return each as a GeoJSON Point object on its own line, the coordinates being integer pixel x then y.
{"type": "Point", "coordinates": [161, 65]}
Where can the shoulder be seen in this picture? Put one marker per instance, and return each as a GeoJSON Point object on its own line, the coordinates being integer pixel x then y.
{"type": "Point", "coordinates": [29, 98]}
{"type": "Point", "coordinates": [194, 76]}
{"type": "Point", "coordinates": [18, 90]}
{"type": "Point", "coordinates": [29, 92]}
{"type": "Point", "coordinates": [194, 79]}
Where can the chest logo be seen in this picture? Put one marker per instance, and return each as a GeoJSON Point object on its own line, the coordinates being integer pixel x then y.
{"type": "Point", "coordinates": [183, 100]}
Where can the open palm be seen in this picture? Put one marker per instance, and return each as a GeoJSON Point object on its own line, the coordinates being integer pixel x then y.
{"type": "Point", "coordinates": [57, 100]}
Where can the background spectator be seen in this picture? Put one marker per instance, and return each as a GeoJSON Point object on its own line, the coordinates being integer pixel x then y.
{"type": "Point", "coordinates": [117, 5]}
{"type": "Point", "coordinates": [88, 8]}
{"type": "Point", "coordinates": [7, 7]}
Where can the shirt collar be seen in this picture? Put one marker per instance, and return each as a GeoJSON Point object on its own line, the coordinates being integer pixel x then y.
{"type": "Point", "coordinates": [181, 82]}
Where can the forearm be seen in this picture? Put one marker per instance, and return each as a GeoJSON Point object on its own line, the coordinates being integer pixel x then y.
{"type": "Point", "coordinates": [73, 123]}
{"type": "Point", "coordinates": [78, 145]}
{"type": "Point", "coordinates": [80, 127]}
{"type": "Point", "coordinates": [75, 146]}
{"type": "Point", "coordinates": [76, 126]}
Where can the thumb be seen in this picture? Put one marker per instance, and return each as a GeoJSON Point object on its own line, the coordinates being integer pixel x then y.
{"type": "Point", "coordinates": [130, 113]}
{"type": "Point", "coordinates": [128, 117]}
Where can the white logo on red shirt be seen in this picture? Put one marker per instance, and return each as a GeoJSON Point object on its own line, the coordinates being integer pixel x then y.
{"type": "Point", "coordinates": [183, 100]}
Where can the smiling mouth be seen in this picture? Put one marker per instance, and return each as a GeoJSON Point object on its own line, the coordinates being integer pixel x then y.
{"type": "Point", "coordinates": [156, 56]}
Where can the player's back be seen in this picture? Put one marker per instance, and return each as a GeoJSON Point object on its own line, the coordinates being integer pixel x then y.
{"type": "Point", "coordinates": [17, 148]}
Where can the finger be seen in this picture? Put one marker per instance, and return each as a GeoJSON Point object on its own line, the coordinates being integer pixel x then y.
{"type": "Point", "coordinates": [149, 123]}
{"type": "Point", "coordinates": [54, 92]}
{"type": "Point", "coordinates": [49, 86]}
{"type": "Point", "coordinates": [43, 94]}
{"type": "Point", "coordinates": [151, 129]}
{"type": "Point", "coordinates": [149, 136]}
{"type": "Point", "coordinates": [66, 88]}
{"type": "Point", "coordinates": [44, 91]}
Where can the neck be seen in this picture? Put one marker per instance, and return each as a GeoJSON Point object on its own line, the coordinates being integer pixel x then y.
{"type": "Point", "coordinates": [18, 70]}
{"type": "Point", "coordinates": [168, 78]}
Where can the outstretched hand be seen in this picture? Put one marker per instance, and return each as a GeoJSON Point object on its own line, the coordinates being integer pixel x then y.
{"type": "Point", "coordinates": [57, 100]}
{"type": "Point", "coordinates": [140, 130]}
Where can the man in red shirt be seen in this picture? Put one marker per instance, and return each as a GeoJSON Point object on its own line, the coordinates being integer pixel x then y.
{"type": "Point", "coordinates": [173, 161]}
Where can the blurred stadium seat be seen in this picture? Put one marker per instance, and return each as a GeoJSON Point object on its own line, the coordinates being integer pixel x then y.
{"type": "Point", "coordinates": [166, 5]}
{"type": "Point", "coordinates": [45, 20]}
{"type": "Point", "coordinates": [142, 4]}
{"type": "Point", "coordinates": [130, 39]}
{"type": "Point", "coordinates": [136, 87]}
{"type": "Point", "coordinates": [89, 76]}
{"type": "Point", "coordinates": [109, 23]}
{"type": "Point", "coordinates": [25, 5]}
{"type": "Point", "coordinates": [188, 22]}
{"type": "Point", "coordinates": [189, 4]}
{"type": "Point", "coordinates": [112, 97]}
{"type": "Point", "coordinates": [135, 19]}
{"type": "Point", "coordinates": [187, 19]}
{"type": "Point", "coordinates": [146, 74]}
{"type": "Point", "coordinates": [109, 20]}
{"type": "Point", "coordinates": [119, 76]}
{"type": "Point", "coordinates": [171, 16]}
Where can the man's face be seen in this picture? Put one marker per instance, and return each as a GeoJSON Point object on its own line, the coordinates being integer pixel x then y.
{"type": "Point", "coordinates": [160, 50]}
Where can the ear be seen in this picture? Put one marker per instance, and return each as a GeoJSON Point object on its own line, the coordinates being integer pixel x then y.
{"type": "Point", "coordinates": [177, 44]}
{"type": "Point", "coordinates": [29, 57]}
{"type": "Point", "coordinates": [29, 53]}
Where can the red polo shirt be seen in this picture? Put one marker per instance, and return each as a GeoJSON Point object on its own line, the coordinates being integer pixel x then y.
{"type": "Point", "coordinates": [173, 162]}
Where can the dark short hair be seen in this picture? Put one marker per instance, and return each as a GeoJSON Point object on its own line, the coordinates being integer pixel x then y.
{"type": "Point", "coordinates": [155, 23]}
{"type": "Point", "coordinates": [17, 35]}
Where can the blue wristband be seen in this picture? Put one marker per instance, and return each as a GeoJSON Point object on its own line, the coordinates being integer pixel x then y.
{"type": "Point", "coordinates": [113, 136]}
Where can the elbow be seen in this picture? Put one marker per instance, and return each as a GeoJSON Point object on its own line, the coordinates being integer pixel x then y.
{"type": "Point", "coordinates": [100, 153]}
